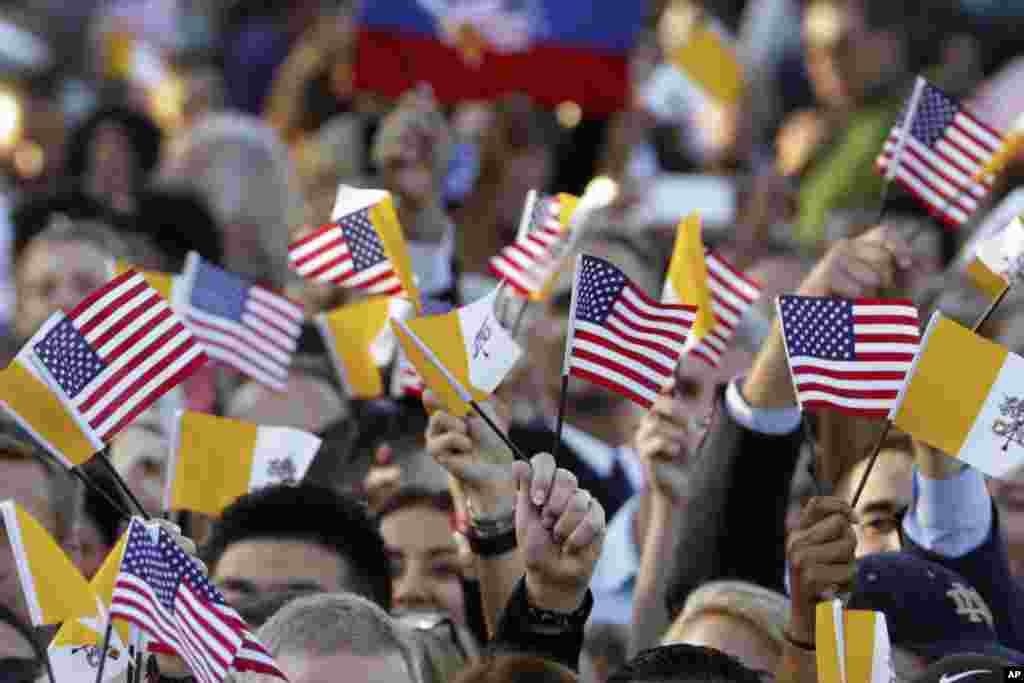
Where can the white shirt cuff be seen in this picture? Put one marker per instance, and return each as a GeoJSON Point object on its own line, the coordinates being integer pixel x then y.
{"type": "Point", "coordinates": [774, 421]}
{"type": "Point", "coordinates": [950, 517]}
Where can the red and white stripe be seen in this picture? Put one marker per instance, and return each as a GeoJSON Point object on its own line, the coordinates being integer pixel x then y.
{"type": "Point", "coordinates": [325, 256]}
{"type": "Point", "coordinates": [206, 636]}
{"type": "Point", "coordinates": [636, 351]}
{"type": "Point", "coordinates": [886, 338]}
{"type": "Point", "coordinates": [943, 177]}
{"type": "Point", "coordinates": [252, 656]}
{"type": "Point", "coordinates": [406, 382]}
{"type": "Point", "coordinates": [262, 345]}
{"type": "Point", "coordinates": [529, 262]}
{"type": "Point", "coordinates": [732, 295]}
{"type": "Point", "coordinates": [145, 347]}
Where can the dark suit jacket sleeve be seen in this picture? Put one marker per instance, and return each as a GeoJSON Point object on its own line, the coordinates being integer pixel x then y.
{"type": "Point", "coordinates": [987, 570]}
{"type": "Point", "coordinates": [735, 521]}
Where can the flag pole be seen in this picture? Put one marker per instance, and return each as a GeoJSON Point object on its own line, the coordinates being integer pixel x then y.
{"type": "Point", "coordinates": [106, 647]}
{"type": "Point", "coordinates": [105, 462]}
{"type": "Point", "coordinates": [990, 310]}
{"type": "Point", "coordinates": [95, 487]}
{"type": "Point", "coordinates": [499, 432]}
{"type": "Point", "coordinates": [894, 165]}
{"type": "Point", "coordinates": [563, 397]}
{"type": "Point", "coordinates": [48, 664]}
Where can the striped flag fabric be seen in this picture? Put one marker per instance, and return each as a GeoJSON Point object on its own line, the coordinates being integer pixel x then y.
{"type": "Point", "coordinates": [852, 356]}
{"type": "Point", "coordinates": [619, 337]}
{"type": "Point", "coordinates": [115, 354]}
{"type": "Point", "coordinates": [529, 263]}
{"type": "Point", "coordinates": [245, 326]}
{"type": "Point", "coordinates": [732, 295]}
{"type": "Point", "coordinates": [940, 156]}
{"type": "Point", "coordinates": [405, 381]}
{"type": "Point", "coordinates": [162, 591]}
{"type": "Point", "coordinates": [361, 248]}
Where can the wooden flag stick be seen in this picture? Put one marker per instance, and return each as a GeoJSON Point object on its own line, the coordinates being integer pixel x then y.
{"type": "Point", "coordinates": [106, 648]}
{"type": "Point", "coordinates": [563, 400]}
{"type": "Point", "coordinates": [990, 310]}
{"type": "Point", "coordinates": [95, 487]}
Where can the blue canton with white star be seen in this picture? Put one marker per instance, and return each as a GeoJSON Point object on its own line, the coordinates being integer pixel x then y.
{"type": "Point", "coordinates": [218, 292]}
{"type": "Point", "coordinates": [599, 287]}
{"type": "Point", "coordinates": [366, 248]}
{"type": "Point", "coordinates": [541, 212]}
{"type": "Point", "coordinates": [935, 113]}
{"type": "Point", "coordinates": [164, 566]}
{"type": "Point", "coordinates": [69, 358]}
{"type": "Point", "coordinates": [820, 328]}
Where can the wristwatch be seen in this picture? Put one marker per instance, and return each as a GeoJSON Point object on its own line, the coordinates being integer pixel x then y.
{"type": "Point", "coordinates": [491, 536]}
{"type": "Point", "coordinates": [545, 621]}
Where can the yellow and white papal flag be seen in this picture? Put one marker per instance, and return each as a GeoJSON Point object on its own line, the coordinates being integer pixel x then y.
{"type": "Point", "coordinates": [462, 355]}
{"type": "Point", "coordinates": [214, 460]}
{"type": "Point", "coordinates": [852, 646]}
{"type": "Point", "coordinates": [999, 261]}
{"type": "Point", "coordinates": [76, 649]}
{"type": "Point", "coordinates": [972, 412]}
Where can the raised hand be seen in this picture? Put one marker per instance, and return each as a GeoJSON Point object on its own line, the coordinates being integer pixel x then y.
{"type": "Point", "coordinates": [662, 442]}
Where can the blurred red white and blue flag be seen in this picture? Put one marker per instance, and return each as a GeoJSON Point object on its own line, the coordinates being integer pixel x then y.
{"type": "Point", "coordinates": [553, 50]}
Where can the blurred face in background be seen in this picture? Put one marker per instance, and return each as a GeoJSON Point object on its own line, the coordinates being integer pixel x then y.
{"type": "Point", "coordinates": [426, 568]}
{"type": "Point", "coordinates": [112, 168]}
{"type": "Point", "coordinates": [54, 275]}
{"type": "Point", "coordinates": [1008, 494]}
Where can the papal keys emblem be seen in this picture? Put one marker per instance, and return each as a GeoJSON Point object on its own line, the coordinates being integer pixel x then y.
{"type": "Point", "coordinates": [1010, 423]}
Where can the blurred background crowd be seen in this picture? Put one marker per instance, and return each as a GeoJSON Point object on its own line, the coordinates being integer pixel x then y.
{"type": "Point", "coordinates": [144, 129]}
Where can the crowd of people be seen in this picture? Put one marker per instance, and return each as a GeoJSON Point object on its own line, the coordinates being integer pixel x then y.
{"type": "Point", "coordinates": [691, 541]}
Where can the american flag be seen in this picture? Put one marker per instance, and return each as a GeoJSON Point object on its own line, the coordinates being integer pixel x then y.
{"type": "Point", "coordinates": [163, 591]}
{"type": "Point", "coordinates": [405, 381]}
{"type": "Point", "coordinates": [243, 325]}
{"type": "Point", "coordinates": [619, 337]}
{"type": "Point", "coordinates": [348, 253]}
{"type": "Point", "coordinates": [946, 148]}
{"type": "Point", "coordinates": [732, 295]}
{"type": "Point", "coordinates": [852, 356]}
{"type": "Point", "coordinates": [528, 262]}
{"type": "Point", "coordinates": [116, 353]}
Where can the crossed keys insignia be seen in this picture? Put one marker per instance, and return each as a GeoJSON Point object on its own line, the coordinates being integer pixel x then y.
{"type": "Point", "coordinates": [483, 335]}
{"type": "Point", "coordinates": [1010, 424]}
{"type": "Point", "coordinates": [283, 470]}
{"type": "Point", "coordinates": [92, 654]}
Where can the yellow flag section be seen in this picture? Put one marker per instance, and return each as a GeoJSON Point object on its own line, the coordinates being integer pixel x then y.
{"type": "Point", "coordinates": [384, 219]}
{"type": "Point", "coordinates": [53, 587]}
{"type": "Point", "coordinates": [998, 261]}
{"type": "Point", "coordinates": [1012, 145]}
{"type": "Point", "coordinates": [852, 646]}
{"type": "Point", "coordinates": [28, 398]}
{"type": "Point", "coordinates": [687, 279]}
{"type": "Point", "coordinates": [463, 355]}
{"type": "Point", "coordinates": [161, 282]}
{"type": "Point", "coordinates": [973, 414]}
{"type": "Point", "coordinates": [361, 342]}
{"type": "Point", "coordinates": [214, 460]}
{"type": "Point", "coordinates": [75, 651]}
{"type": "Point", "coordinates": [711, 63]}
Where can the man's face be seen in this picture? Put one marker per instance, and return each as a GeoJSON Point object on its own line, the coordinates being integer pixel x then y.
{"type": "Point", "coordinates": [425, 561]}
{"type": "Point", "coordinates": [840, 50]}
{"type": "Point", "coordinates": [54, 275]}
{"type": "Point", "coordinates": [886, 497]}
{"type": "Point", "coordinates": [259, 567]}
{"type": "Point", "coordinates": [304, 668]}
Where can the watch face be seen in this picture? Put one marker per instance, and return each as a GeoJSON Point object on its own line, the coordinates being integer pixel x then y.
{"type": "Point", "coordinates": [419, 620]}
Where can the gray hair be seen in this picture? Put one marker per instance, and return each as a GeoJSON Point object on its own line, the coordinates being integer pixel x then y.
{"type": "Point", "coordinates": [61, 228]}
{"type": "Point", "coordinates": [327, 623]}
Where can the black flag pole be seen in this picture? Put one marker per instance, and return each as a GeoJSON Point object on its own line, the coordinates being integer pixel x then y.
{"type": "Point", "coordinates": [563, 397]}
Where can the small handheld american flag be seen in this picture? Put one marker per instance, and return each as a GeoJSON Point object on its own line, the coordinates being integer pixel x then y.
{"type": "Point", "coordinates": [115, 353]}
{"type": "Point", "coordinates": [163, 591]}
{"type": "Point", "coordinates": [851, 356]}
{"type": "Point", "coordinates": [528, 263]}
{"type": "Point", "coordinates": [732, 295]}
{"type": "Point", "coordinates": [405, 381]}
{"type": "Point", "coordinates": [243, 325]}
{"type": "Point", "coordinates": [619, 337]}
{"type": "Point", "coordinates": [939, 157]}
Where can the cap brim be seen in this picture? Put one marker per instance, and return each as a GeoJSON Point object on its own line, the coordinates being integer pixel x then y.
{"type": "Point", "coordinates": [940, 649]}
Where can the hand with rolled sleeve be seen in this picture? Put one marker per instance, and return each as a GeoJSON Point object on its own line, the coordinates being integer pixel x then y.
{"type": "Point", "coordinates": [560, 529]}
{"type": "Point", "coordinates": [822, 563]}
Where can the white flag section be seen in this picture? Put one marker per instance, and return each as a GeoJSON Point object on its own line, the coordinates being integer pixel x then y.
{"type": "Point", "coordinates": [490, 349]}
{"type": "Point", "coordinates": [1003, 254]}
{"type": "Point", "coordinates": [79, 661]}
{"type": "Point", "coordinates": [277, 445]}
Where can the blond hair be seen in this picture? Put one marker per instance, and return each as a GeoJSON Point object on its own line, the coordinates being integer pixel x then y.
{"type": "Point", "coordinates": [763, 609]}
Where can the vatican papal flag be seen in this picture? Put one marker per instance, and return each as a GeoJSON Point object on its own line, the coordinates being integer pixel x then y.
{"type": "Point", "coordinates": [852, 645]}
{"type": "Point", "coordinates": [53, 587]}
{"type": "Point", "coordinates": [999, 260]}
{"type": "Point", "coordinates": [973, 413]}
{"type": "Point", "coordinates": [463, 355]}
{"type": "Point", "coordinates": [360, 341]}
{"type": "Point", "coordinates": [76, 649]}
{"type": "Point", "coordinates": [214, 460]}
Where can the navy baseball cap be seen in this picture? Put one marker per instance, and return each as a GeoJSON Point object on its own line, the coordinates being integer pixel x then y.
{"type": "Point", "coordinates": [967, 669]}
{"type": "Point", "coordinates": [929, 609]}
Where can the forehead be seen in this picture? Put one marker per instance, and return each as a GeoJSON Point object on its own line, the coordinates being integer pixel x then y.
{"type": "Point", "coordinates": [419, 527]}
{"type": "Point", "coordinates": [891, 480]}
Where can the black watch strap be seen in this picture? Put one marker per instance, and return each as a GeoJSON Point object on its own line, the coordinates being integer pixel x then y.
{"type": "Point", "coordinates": [491, 545]}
